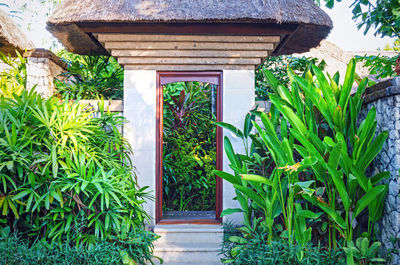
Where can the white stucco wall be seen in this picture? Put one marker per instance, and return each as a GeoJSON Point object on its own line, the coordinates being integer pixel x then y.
{"type": "Point", "coordinates": [140, 110]}
{"type": "Point", "coordinates": [238, 99]}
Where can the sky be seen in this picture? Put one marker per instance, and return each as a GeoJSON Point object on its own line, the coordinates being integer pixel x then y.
{"type": "Point", "coordinates": [344, 33]}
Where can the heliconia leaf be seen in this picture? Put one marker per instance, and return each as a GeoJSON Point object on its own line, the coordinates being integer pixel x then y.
{"type": "Point", "coordinates": [326, 89]}
{"type": "Point", "coordinates": [257, 178]}
{"type": "Point", "coordinates": [327, 209]}
{"type": "Point", "coordinates": [231, 128]}
{"type": "Point", "coordinates": [372, 150]}
{"type": "Point", "coordinates": [308, 214]}
{"type": "Point", "coordinates": [380, 176]}
{"type": "Point", "coordinates": [228, 177]}
{"type": "Point", "coordinates": [252, 195]}
{"type": "Point", "coordinates": [366, 200]}
{"type": "Point", "coordinates": [348, 84]}
{"type": "Point", "coordinates": [230, 211]}
{"type": "Point", "coordinates": [271, 80]}
{"type": "Point", "coordinates": [248, 125]}
{"type": "Point", "coordinates": [230, 153]}
{"type": "Point", "coordinates": [289, 115]}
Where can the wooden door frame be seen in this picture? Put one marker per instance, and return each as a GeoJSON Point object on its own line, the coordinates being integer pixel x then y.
{"type": "Point", "coordinates": [163, 78]}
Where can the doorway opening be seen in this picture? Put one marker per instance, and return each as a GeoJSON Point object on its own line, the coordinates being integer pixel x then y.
{"type": "Point", "coordinates": [189, 147]}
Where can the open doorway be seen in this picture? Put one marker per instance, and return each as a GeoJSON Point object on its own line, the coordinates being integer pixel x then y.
{"type": "Point", "coordinates": [189, 147]}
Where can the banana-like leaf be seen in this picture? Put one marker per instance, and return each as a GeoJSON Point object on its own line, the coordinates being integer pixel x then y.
{"type": "Point", "coordinates": [228, 177]}
{"type": "Point", "coordinates": [257, 178]}
{"type": "Point", "coordinates": [367, 199]}
{"type": "Point", "coordinates": [289, 115]}
{"type": "Point", "coordinates": [348, 84]}
{"type": "Point", "coordinates": [231, 128]}
{"type": "Point", "coordinates": [230, 211]}
{"type": "Point", "coordinates": [259, 200]}
{"type": "Point", "coordinates": [327, 209]}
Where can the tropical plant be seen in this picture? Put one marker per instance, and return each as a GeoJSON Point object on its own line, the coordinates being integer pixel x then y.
{"type": "Point", "coordinates": [189, 152]}
{"type": "Point", "coordinates": [362, 252]}
{"type": "Point", "coordinates": [135, 249]}
{"type": "Point", "coordinates": [253, 248]}
{"type": "Point", "coordinates": [380, 66]}
{"type": "Point", "coordinates": [13, 76]}
{"type": "Point", "coordinates": [381, 15]}
{"type": "Point", "coordinates": [278, 65]}
{"type": "Point", "coordinates": [318, 177]}
{"type": "Point", "coordinates": [90, 77]}
{"type": "Point", "coordinates": [64, 173]}
{"type": "Point", "coordinates": [343, 150]}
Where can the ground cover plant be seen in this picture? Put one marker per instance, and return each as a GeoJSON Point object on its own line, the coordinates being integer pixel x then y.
{"type": "Point", "coordinates": [305, 168]}
{"type": "Point", "coordinates": [189, 152]}
{"type": "Point", "coordinates": [14, 251]}
{"type": "Point", "coordinates": [66, 178]}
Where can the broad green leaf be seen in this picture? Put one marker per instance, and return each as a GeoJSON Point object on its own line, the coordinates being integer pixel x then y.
{"type": "Point", "coordinates": [257, 178]}
{"type": "Point", "coordinates": [366, 200]}
{"type": "Point", "coordinates": [231, 128]}
{"type": "Point", "coordinates": [230, 211]}
{"type": "Point", "coordinates": [228, 177]}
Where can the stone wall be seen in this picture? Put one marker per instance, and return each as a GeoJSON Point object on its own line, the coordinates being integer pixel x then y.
{"type": "Point", "coordinates": [41, 68]}
{"type": "Point", "coordinates": [385, 97]}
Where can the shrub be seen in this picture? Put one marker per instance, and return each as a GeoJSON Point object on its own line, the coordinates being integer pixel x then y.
{"type": "Point", "coordinates": [317, 185]}
{"type": "Point", "coordinates": [255, 249]}
{"type": "Point", "coordinates": [13, 77]}
{"type": "Point", "coordinates": [90, 77]}
{"type": "Point", "coordinates": [66, 179]}
{"type": "Point", "coordinates": [64, 173]}
{"type": "Point", "coordinates": [15, 251]}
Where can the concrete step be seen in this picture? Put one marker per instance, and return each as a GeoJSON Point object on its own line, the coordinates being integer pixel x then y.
{"type": "Point", "coordinates": [186, 233]}
{"type": "Point", "coordinates": [189, 253]}
{"type": "Point", "coordinates": [188, 244]}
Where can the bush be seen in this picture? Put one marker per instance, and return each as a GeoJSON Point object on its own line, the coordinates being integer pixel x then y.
{"type": "Point", "coordinates": [64, 173]}
{"type": "Point", "coordinates": [255, 249]}
{"type": "Point", "coordinates": [90, 77]}
{"type": "Point", "coordinates": [66, 178]}
{"type": "Point", "coordinates": [317, 189]}
{"type": "Point", "coordinates": [15, 251]}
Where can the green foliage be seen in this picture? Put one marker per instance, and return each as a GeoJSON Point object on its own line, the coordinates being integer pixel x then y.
{"type": "Point", "coordinates": [189, 152]}
{"type": "Point", "coordinates": [137, 250]}
{"type": "Point", "coordinates": [188, 180]}
{"type": "Point", "coordinates": [66, 178]}
{"type": "Point", "coordinates": [65, 174]}
{"type": "Point", "coordinates": [254, 248]}
{"type": "Point", "coordinates": [318, 151]}
{"type": "Point", "coordinates": [278, 65]}
{"type": "Point", "coordinates": [380, 66]}
{"type": "Point", "coordinates": [363, 253]}
{"type": "Point", "coordinates": [90, 77]}
{"type": "Point", "coordinates": [382, 15]}
{"type": "Point", "coordinates": [342, 149]}
{"type": "Point", "coordinates": [13, 77]}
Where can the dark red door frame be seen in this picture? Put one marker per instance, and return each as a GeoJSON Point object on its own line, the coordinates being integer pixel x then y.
{"type": "Point", "coordinates": [164, 78]}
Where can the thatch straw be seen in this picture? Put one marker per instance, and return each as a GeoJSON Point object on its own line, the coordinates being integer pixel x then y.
{"type": "Point", "coordinates": [11, 37]}
{"type": "Point", "coordinates": [315, 24]}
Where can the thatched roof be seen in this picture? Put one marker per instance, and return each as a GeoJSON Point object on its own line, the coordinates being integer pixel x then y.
{"type": "Point", "coordinates": [11, 37]}
{"type": "Point", "coordinates": [314, 24]}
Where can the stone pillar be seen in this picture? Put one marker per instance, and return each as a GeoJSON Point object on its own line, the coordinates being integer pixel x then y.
{"type": "Point", "coordinates": [140, 97]}
{"type": "Point", "coordinates": [385, 97]}
{"type": "Point", "coordinates": [41, 68]}
{"type": "Point", "coordinates": [238, 100]}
